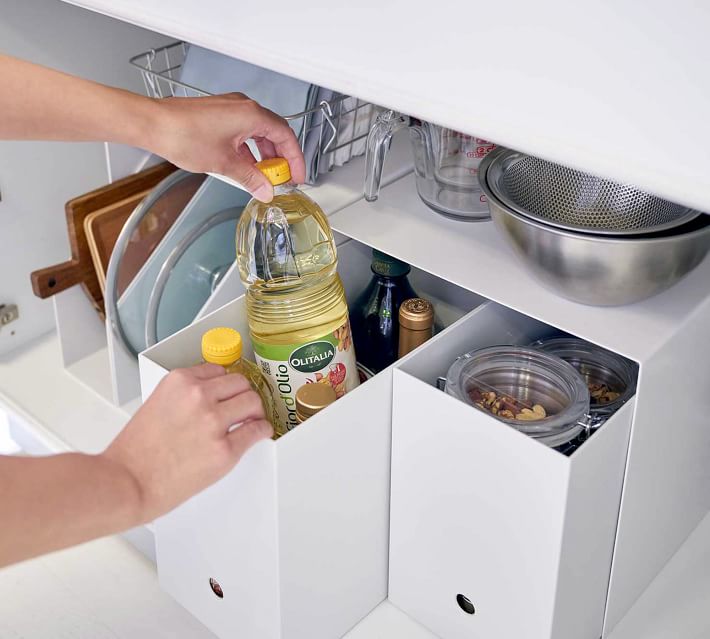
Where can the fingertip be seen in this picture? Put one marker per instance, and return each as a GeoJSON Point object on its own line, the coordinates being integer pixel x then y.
{"type": "Point", "coordinates": [297, 165]}
{"type": "Point", "coordinates": [267, 430]}
{"type": "Point", "coordinates": [249, 434]}
{"type": "Point", "coordinates": [264, 193]}
{"type": "Point", "coordinates": [260, 429]}
{"type": "Point", "coordinates": [298, 173]}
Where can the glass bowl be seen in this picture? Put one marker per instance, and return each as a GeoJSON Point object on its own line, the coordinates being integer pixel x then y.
{"type": "Point", "coordinates": [600, 369]}
{"type": "Point", "coordinates": [529, 377]}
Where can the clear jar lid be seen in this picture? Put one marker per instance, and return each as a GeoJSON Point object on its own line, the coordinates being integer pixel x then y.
{"type": "Point", "coordinates": [523, 379]}
{"type": "Point", "coordinates": [611, 379]}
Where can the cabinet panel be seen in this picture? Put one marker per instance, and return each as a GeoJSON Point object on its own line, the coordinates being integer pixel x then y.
{"type": "Point", "coordinates": [615, 91]}
{"type": "Point", "coordinates": [37, 178]}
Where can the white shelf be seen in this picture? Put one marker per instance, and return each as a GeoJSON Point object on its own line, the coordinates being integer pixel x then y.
{"type": "Point", "coordinates": [93, 371]}
{"type": "Point", "coordinates": [617, 90]}
{"type": "Point", "coordinates": [474, 256]}
{"type": "Point", "coordinates": [61, 412]}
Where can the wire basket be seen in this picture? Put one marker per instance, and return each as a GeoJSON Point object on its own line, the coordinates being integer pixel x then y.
{"type": "Point", "coordinates": [337, 124]}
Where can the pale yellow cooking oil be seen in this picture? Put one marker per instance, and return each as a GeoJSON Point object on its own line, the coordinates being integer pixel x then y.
{"type": "Point", "coordinates": [223, 346]}
{"type": "Point", "coordinates": [298, 314]}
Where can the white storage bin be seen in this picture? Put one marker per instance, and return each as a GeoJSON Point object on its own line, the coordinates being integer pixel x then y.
{"type": "Point", "coordinates": [297, 534]}
{"type": "Point", "coordinates": [479, 509]}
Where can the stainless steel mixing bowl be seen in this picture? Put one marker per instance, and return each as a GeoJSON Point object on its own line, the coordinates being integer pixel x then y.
{"type": "Point", "coordinates": [577, 201]}
{"type": "Point", "coordinates": [600, 270]}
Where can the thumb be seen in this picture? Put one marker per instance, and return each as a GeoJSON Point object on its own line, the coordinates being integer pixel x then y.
{"type": "Point", "coordinates": [253, 180]}
{"type": "Point", "coordinates": [242, 438]}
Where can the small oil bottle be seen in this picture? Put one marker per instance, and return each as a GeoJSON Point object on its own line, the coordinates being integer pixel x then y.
{"type": "Point", "coordinates": [223, 346]}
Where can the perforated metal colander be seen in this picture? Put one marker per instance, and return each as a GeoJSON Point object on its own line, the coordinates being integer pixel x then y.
{"type": "Point", "coordinates": [578, 201]}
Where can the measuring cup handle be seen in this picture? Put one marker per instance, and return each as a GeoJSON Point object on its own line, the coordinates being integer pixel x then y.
{"type": "Point", "coordinates": [378, 143]}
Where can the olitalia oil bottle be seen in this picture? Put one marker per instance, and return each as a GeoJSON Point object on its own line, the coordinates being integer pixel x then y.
{"type": "Point", "coordinates": [298, 316]}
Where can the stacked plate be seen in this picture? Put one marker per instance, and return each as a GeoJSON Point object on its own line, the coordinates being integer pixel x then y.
{"type": "Point", "coordinates": [590, 239]}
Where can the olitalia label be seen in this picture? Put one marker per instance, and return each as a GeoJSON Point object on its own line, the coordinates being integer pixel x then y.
{"type": "Point", "coordinates": [327, 360]}
{"type": "Point", "coordinates": [312, 357]}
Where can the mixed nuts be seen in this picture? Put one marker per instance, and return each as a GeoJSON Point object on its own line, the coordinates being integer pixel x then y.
{"type": "Point", "coordinates": [601, 393]}
{"type": "Point", "coordinates": [505, 406]}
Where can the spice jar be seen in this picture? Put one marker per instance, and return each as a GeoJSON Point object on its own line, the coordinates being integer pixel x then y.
{"type": "Point", "coordinates": [312, 398]}
{"type": "Point", "coordinates": [416, 324]}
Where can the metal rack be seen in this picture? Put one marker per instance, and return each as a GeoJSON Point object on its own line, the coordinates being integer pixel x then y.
{"type": "Point", "coordinates": [332, 122]}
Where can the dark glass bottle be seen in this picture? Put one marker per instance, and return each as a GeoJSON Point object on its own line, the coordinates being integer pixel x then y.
{"type": "Point", "coordinates": [374, 315]}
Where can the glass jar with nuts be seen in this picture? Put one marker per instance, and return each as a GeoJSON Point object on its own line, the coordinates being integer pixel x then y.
{"type": "Point", "coordinates": [536, 393]}
{"type": "Point", "coordinates": [610, 378]}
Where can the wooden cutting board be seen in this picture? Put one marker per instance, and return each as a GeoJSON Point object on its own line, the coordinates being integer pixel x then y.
{"type": "Point", "coordinates": [103, 227]}
{"type": "Point", "coordinates": [80, 268]}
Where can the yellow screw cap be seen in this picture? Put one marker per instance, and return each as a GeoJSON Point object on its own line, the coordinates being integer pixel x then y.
{"type": "Point", "coordinates": [276, 170]}
{"type": "Point", "coordinates": [221, 346]}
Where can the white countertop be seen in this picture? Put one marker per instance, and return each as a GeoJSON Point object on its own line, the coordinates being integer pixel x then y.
{"type": "Point", "coordinates": [107, 590]}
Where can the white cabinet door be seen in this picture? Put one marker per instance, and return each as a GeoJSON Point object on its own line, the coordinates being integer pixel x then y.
{"type": "Point", "coordinates": [37, 178]}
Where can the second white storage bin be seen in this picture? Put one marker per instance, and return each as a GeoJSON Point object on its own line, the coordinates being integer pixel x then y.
{"type": "Point", "coordinates": [493, 534]}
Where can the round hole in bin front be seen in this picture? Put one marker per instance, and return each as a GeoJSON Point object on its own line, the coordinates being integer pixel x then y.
{"type": "Point", "coordinates": [216, 588]}
{"type": "Point", "coordinates": [465, 604]}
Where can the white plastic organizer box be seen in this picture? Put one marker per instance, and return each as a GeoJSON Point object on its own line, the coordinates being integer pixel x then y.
{"type": "Point", "coordinates": [483, 512]}
{"type": "Point", "coordinates": [297, 535]}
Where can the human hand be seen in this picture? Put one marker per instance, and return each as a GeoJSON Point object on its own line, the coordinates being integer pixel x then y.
{"type": "Point", "coordinates": [179, 442]}
{"type": "Point", "coordinates": [209, 134]}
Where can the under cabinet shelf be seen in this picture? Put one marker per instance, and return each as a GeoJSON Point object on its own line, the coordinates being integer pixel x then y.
{"type": "Point", "coordinates": [619, 91]}
{"type": "Point", "coordinates": [474, 256]}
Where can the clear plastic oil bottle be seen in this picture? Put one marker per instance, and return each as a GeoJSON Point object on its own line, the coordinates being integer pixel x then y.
{"type": "Point", "coordinates": [223, 346]}
{"type": "Point", "coordinates": [298, 315]}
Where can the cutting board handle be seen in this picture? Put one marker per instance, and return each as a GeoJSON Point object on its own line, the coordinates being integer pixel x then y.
{"type": "Point", "coordinates": [54, 279]}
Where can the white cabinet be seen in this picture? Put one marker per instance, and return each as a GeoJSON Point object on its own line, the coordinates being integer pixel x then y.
{"type": "Point", "coordinates": [665, 489]}
{"type": "Point", "coordinates": [631, 110]}
{"type": "Point", "coordinates": [618, 90]}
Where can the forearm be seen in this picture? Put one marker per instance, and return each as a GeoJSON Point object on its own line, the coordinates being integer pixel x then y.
{"type": "Point", "coordinates": [48, 503]}
{"type": "Point", "coordinates": [37, 103]}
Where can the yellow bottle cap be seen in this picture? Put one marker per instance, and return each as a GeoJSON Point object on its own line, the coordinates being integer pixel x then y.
{"type": "Point", "coordinates": [221, 346]}
{"type": "Point", "coordinates": [276, 170]}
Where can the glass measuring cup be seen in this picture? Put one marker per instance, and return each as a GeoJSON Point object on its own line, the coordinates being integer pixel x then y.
{"type": "Point", "coordinates": [445, 163]}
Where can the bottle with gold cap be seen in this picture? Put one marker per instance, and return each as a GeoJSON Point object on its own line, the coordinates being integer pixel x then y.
{"type": "Point", "coordinates": [313, 398]}
{"type": "Point", "coordinates": [416, 324]}
{"type": "Point", "coordinates": [375, 311]}
{"type": "Point", "coordinates": [223, 346]}
{"type": "Point", "coordinates": [298, 315]}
